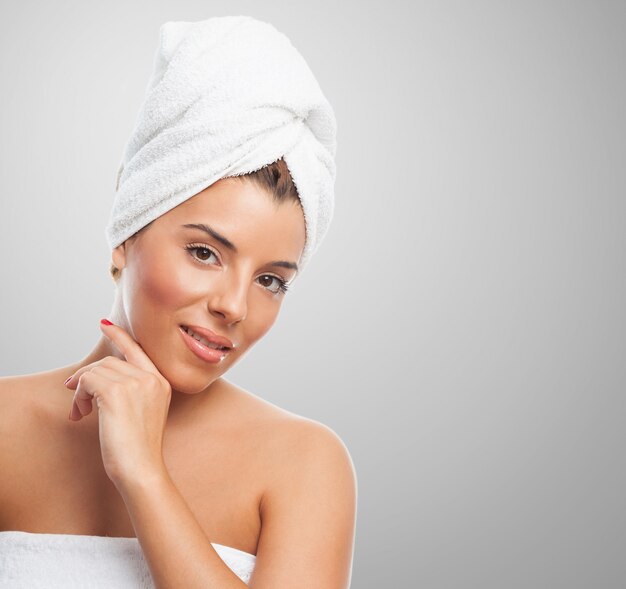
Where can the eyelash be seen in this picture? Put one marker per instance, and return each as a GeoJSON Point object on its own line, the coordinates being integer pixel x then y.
{"type": "Point", "coordinates": [282, 285]}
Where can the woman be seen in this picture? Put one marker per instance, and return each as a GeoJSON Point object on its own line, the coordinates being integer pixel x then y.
{"type": "Point", "coordinates": [164, 473]}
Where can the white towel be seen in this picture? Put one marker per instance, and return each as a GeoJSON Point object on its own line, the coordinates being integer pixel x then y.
{"type": "Point", "coordinates": [227, 96]}
{"type": "Point", "coordinates": [32, 561]}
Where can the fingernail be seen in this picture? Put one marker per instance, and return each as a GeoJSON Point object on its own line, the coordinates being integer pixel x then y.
{"type": "Point", "coordinates": [70, 415]}
{"type": "Point", "coordinates": [105, 322]}
{"type": "Point", "coordinates": [68, 380]}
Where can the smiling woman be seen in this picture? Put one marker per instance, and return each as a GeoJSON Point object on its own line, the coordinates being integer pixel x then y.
{"type": "Point", "coordinates": [165, 474]}
{"type": "Point", "coordinates": [219, 265]}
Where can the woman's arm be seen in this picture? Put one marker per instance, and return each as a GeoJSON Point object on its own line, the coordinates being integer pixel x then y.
{"type": "Point", "coordinates": [308, 515]}
{"type": "Point", "coordinates": [308, 523]}
{"type": "Point", "coordinates": [176, 549]}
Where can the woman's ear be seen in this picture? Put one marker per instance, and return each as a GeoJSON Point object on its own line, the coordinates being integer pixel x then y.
{"type": "Point", "coordinates": [118, 256]}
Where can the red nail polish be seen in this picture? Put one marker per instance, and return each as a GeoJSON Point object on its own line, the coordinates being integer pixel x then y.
{"type": "Point", "coordinates": [68, 380]}
{"type": "Point", "coordinates": [105, 322]}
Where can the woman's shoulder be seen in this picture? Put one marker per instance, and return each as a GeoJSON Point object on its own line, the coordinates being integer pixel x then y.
{"type": "Point", "coordinates": [16, 395]}
{"type": "Point", "coordinates": [31, 408]}
{"type": "Point", "coordinates": [309, 478]}
{"type": "Point", "coordinates": [291, 442]}
{"type": "Point", "coordinates": [27, 395]}
{"type": "Point", "coordinates": [283, 426]}
{"type": "Point", "coordinates": [21, 431]}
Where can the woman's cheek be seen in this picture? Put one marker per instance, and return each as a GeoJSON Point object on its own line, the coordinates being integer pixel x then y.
{"type": "Point", "coordinates": [172, 284]}
{"type": "Point", "coordinates": [261, 322]}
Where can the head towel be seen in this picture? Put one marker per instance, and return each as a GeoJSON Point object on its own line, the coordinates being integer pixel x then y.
{"type": "Point", "coordinates": [227, 96]}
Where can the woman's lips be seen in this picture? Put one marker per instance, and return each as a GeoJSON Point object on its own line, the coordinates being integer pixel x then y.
{"type": "Point", "coordinates": [203, 352]}
{"type": "Point", "coordinates": [210, 336]}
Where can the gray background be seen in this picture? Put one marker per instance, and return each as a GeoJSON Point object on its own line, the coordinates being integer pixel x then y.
{"type": "Point", "coordinates": [462, 326]}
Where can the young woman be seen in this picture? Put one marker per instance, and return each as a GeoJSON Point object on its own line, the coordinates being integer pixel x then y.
{"type": "Point", "coordinates": [164, 473]}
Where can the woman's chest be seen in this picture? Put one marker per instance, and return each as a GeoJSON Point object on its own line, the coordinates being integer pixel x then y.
{"type": "Point", "coordinates": [59, 485]}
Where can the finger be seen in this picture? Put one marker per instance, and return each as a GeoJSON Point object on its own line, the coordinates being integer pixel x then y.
{"type": "Point", "coordinates": [113, 362]}
{"type": "Point", "coordinates": [131, 350]}
{"type": "Point", "coordinates": [82, 402]}
{"type": "Point", "coordinates": [91, 385]}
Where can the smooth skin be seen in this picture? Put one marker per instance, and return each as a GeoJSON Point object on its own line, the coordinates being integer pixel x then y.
{"type": "Point", "coordinates": [158, 445]}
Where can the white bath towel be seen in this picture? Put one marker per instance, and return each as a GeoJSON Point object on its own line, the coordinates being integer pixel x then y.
{"type": "Point", "coordinates": [227, 96]}
{"type": "Point", "coordinates": [51, 561]}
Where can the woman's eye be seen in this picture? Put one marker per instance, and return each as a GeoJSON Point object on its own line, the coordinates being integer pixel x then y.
{"type": "Point", "coordinates": [273, 283]}
{"type": "Point", "coordinates": [203, 254]}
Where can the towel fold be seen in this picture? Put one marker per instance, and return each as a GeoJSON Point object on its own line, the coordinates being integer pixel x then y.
{"type": "Point", "coordinates": [227, 96]}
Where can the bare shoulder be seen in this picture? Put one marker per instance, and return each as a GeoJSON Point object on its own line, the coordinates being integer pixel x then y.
{"type": "Point", "coordinates": [312, 458]}
{"type": "Point", "coordinates": [291, 448]}
{"type": "Point", "coordinates": [18, 417]}
{"type": "Point", "coordinates": [22, 411]}
{"type": "Point", "coordinates": [308, 508]}
{"type": "Point", "coordinates": [25, 392]}
{"type": "Point", "coordinates": [28, 405]}
{"type": "Point", "coordinates": [293, 441]}
{"type": "Point", "coordinates": [307, 444]}
{"type": "Point", "coordinates": [15, 397]}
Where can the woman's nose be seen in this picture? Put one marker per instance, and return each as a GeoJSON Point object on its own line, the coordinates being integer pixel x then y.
{"type": "Point", "coordinates": [229, 299]}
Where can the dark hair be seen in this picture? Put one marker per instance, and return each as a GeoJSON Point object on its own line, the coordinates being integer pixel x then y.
{"type": "Point", "coordinates": [275, 178]}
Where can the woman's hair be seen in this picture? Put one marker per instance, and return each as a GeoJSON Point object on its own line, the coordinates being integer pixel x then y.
{"type": "Point", "coordinates": [274, 178]}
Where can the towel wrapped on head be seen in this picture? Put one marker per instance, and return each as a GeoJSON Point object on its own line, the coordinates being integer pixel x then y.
{"type": "Point", "coordinates": [228, 96]}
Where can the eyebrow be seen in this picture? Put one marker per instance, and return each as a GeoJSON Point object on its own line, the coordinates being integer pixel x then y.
{"type": "Point", "coordinates": [231, 246]}
{"type": "Point", "coordinates": [218, 236]}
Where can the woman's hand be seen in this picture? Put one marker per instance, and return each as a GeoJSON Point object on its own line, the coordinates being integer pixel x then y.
{"type": "Point", "coordinates": [133, 399]}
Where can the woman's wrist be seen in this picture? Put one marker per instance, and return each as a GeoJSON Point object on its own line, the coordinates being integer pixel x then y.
{"type": "Point", "coordinates": [141, 480]}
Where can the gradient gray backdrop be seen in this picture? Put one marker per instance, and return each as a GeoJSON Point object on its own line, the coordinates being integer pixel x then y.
{"type": "Point", "coordinates": [462, 326]}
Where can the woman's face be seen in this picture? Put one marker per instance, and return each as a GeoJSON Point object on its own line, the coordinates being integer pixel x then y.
{"type": "Point", "coordinates": [227, 280]}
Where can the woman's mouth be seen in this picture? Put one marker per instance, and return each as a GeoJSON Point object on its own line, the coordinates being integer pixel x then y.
{"type": "Point", "coordinates": [202, 347]}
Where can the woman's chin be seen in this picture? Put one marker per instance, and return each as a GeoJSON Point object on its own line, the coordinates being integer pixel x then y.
{"type": "Point", "coordinates": [189, 378]}
{"type": "Point", "coordinates": [189, 387]}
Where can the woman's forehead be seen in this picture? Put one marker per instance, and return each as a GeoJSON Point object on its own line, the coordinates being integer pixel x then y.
{"type": "Point", "coordinates": [239, 212]}
{"type": "Point", "coordinates": [234, 202]}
